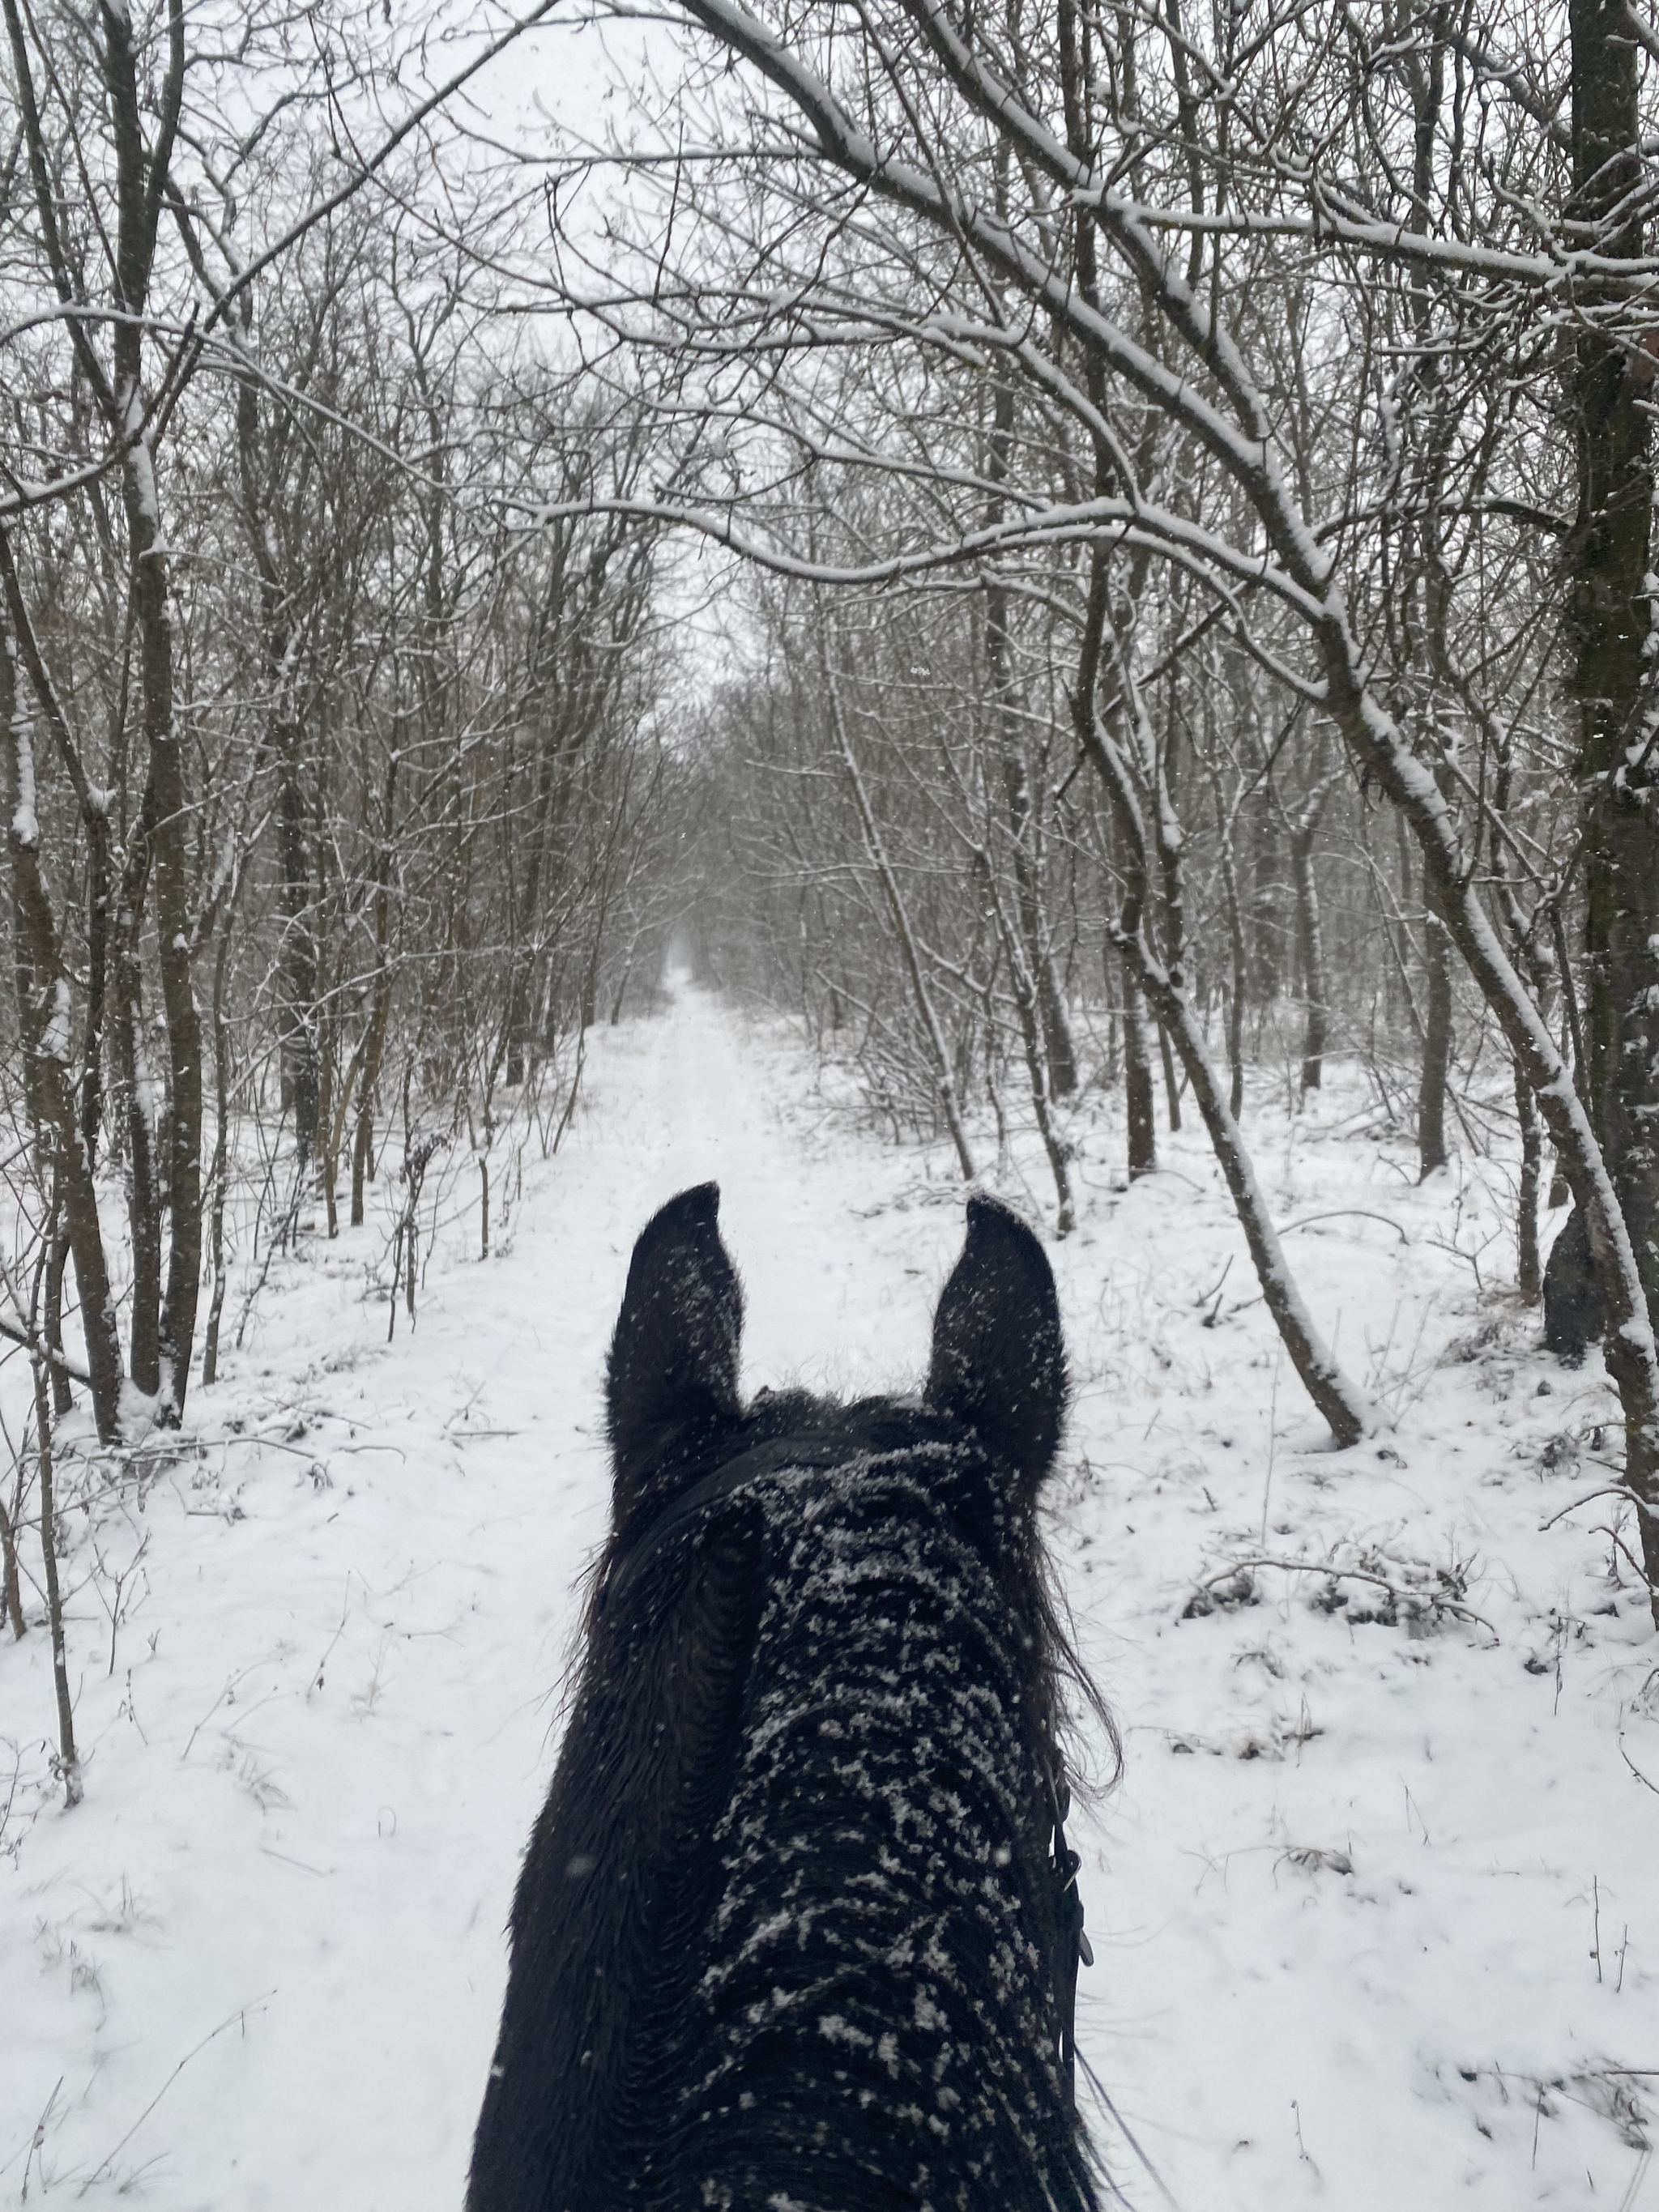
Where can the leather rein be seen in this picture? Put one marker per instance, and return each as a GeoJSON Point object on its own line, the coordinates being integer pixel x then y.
{"type": "Point", "coordinates": [773, 1458]}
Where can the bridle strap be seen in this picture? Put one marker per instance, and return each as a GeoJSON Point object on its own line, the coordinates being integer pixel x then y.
{"type": "Point", "coordinates": [712, 1490]}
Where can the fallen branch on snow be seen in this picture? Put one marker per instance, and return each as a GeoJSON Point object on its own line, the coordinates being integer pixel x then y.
{"type": "Point", "coordinates": [1401, 1593]}
{"type": "Point", "coordinates": [1345, 1213]}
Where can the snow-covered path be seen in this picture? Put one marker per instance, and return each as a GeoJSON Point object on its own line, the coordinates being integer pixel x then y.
{"type": "Point", "coordinates": [1343, 1903]}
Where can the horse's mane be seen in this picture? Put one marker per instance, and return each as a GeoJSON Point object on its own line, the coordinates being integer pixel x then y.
{"type": "Point", "coordinates": [1068, 1702]}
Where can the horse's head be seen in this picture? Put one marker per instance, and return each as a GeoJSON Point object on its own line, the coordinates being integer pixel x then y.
{"type": "Point", "coordinates": [797, 1923]}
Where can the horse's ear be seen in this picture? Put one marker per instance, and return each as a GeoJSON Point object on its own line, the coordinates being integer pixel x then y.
{"type": "Point", "coordinates": [999, 1357]}
{"type": "Point", "coordinates": [674, 1356]}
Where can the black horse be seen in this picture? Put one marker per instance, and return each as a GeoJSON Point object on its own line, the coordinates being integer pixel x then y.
{"type": "Point", "coordinates": [797, 1930]}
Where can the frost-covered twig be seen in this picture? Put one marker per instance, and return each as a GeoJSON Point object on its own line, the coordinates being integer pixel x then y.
{"type": "Point", "coordinates": [1607, 1490]}
{"type": "Point", "coordinates": [16, 1334]}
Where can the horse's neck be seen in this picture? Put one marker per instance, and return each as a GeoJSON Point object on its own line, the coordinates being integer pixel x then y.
{"type": "Point", "coordinates": [880, 1927]}
{"type": "Point", "coordinates": [789, 1885]}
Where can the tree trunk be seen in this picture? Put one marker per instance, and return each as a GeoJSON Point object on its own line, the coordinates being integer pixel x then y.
{"type": "Point", "coordinates": [1437, 1050]}
{"type": "Point", "coordinates": [1141, 1112]}
{"type": "Point", "coordinates": [1241, 965]}
{"type": "Point", "coordinates": [9, 1574]}
{"type": "Point", "coordinates": [1171, 1086]}
{"type": "Point", "coordinates": [1342, 1406]}
{"type": "Point", "coordinates": [1310, 951]}
{"type": "Point", "coordinates": [1608, 557]}
{"type": "Point", "coordinates": [301, 1081]}
{"type": "Point", "coordinates": [1530, 1274]}
{"type": "Point", "coordinates": [1030, 1030]}
{"type": "Point", "coordinates": [1266, 919]}
{"type": "Point", "coordinates": [94, 820]}
{"type": "Point", "coordinates": [52, 1317]}
{"type": "Point", "coordinates": [99, 894]}
{"type": "Point", "coordinates": [1534, 963]}
{"type": "Point", "coordinates": [374, 1041]}
{"type": "Point", "coordinates": [1131, 861]}
{"type": "Point", "coordinates": [42, 1005]}
{"type": "Point", "coordinates": [168, 811]}
{"type": "Point", "coordinates": [138, 1102]}
{"type": "Point", "coordinates": [1056, 1046]}
{"type": "Point", "coordinates": [364, 1139]}
{"type": "Point", "coordinates": [328, 1149]}
{"type": "Point", "coordinates": [221, 1161]}
{"type": "Point", "coordinates": [298, 1012]}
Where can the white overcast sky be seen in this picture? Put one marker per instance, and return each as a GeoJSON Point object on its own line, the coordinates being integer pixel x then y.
{"type": "Point", "coordinates": [569, 85]}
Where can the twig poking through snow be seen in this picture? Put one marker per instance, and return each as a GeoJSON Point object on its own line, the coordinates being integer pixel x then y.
{"type": "Point", "coordinates": [240, 2014]}
{"type": "Point", "coordinates": [39, 2136]}
{"type": "Point", "coordinates": [1273, 1441]}
{"type": "Point", "coordinates": [1633, 1767]}
{"type": "Point", "coordinates": [316, 1681]}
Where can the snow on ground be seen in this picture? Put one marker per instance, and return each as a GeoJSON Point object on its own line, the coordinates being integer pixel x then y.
{"type": "Point", "coordinates": [1372, 1907]}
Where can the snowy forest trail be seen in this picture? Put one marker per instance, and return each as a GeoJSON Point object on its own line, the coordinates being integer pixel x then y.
{"type": "Point", "coordinates": [1343, 1901]}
